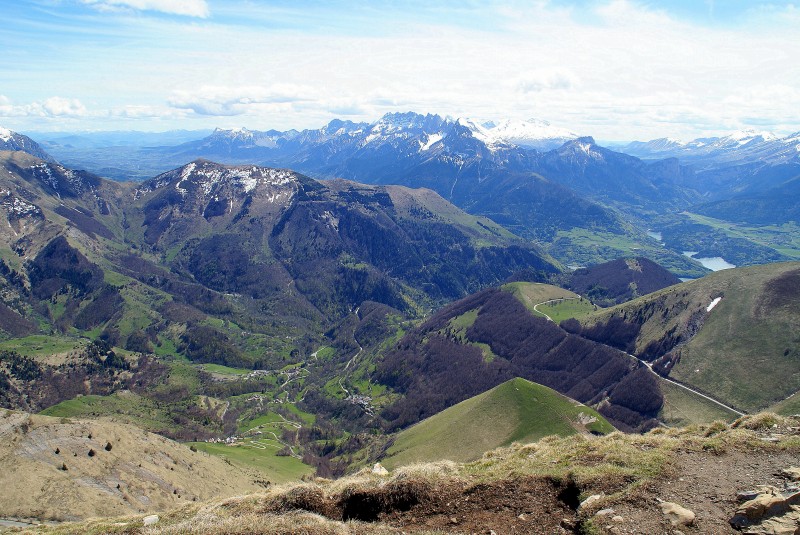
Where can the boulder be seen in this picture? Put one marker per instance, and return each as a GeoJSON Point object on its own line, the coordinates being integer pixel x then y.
{"type": "Point", "coordinates": [589, 501]}
{"type": "Point", "coordinates": [787, 524]}
{"type": "Point", "coordinates": [792, 473]}
{"type": "Point", "coordinates": [770, 512]}
{"type": "Point", "coordinates": [380, 470]}
{"type": "Point", "coordinates": [769, 502]}
{"type": "Point", "coordinates": [677, 514]}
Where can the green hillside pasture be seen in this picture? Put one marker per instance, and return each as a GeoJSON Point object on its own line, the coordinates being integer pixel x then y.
{"type": "Point", "coordinates": [565, 309]}
{"type": "Point", "coordinates": [258, 445]}
{"type": "Point", "coordinates": [788, 406]}
{"type": "Point", "coordinates": [259, 454]}
{"type": "Point", "coordinates": [458, 327]}
{"type": "Point", "coordinates": [682, 407]}
{"type": "Point", "coordinates": [515, 411]}
{"type": "Point", "coordinates": [531, 294]}
{"type": "Point", "coordinates": [784, 238]}
{"type": "Point", "coordinates": [220, 369]}
{"type": "Point", "coordinates": [746, 352]}
{"type": "Point", "coordinates": [124, 407]}
{"type": "Point", "coordinates": [42, 345]}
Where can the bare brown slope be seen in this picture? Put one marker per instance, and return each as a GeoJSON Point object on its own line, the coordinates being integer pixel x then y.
{"type": "Point", "coordinates": [63, 469]}
{"type": "Point", "coordinates": [524, 489]}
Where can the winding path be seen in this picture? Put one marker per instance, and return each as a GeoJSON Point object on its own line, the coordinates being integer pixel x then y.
{"type": "Point", "coordinates": [649, 365]}
{"type": "Point", "coordinates": [693, 391]}
{"type": "Point", "coordinates": [551, 301]}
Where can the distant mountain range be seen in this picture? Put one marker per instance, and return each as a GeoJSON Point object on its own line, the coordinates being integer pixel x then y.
{"type": "Point", "coordinates": [583, 203]}
{"type": "Point", "coordinates": [744, 146]}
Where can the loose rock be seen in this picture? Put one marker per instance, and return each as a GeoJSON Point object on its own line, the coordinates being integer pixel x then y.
{"type": "Point", "coordinates": [589, 501]}
{"type": "Point", "coordinates": [150, 520]}
{"type": "Point", "coordinates": [677, 515]}
{"type": "Point", "coordinates": [380, 470]}
{"type": "Point", "coordinates": [792, 473]}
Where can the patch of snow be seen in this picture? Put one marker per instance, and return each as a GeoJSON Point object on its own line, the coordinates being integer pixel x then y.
{"type": "Point", "coordinates": [432, 139]}
{"type": "Point", "coordinates": [480, 131]}
{"type": "Point", "coordinates": [531, 132]}
{"type": "Point", "coordinates": [713, 304]}
{"type": "Point", "coordinates": [370, 138]}
{"type": "Point", "coordinates": [743, 137]}
{"type": "Point", "coordinates": [188, 170]}
{"type": "Point", "coordinates": [6, 134]}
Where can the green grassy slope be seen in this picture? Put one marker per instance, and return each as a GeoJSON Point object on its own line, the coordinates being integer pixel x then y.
{"type": "Point", "coordinates": [260, 456]}
{"type": "Point", "coordinates": [515, 411]}
{"type": "Point", "coordinates": [682, 407]}
{"type": "Point", "coordinates": [745, 351]}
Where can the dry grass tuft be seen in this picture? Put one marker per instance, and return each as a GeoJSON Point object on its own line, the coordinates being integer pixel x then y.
{"type": "Point", "coordinates": [295, 522]}
{"type": "Point", "coordinates": [618, 465]}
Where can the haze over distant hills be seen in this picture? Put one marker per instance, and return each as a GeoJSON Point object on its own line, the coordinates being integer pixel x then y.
{"type": "Point", "coordinates": [582, 202]}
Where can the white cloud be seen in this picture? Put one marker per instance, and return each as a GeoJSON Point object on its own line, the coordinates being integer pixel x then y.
{"type": "Point", "coordinates": [189, 8]}
{"type": "Point", "coordinates": [147, 112]}
{"type": "Point", "coordinates": [613, 69]}
{"type": "Point", "coordinates": [58, 106]}
{"type": "Point", "coordinates": [544, 79]}
{"type": "Point", "coordinates": [51, 107]}
{"type": "Point", "coordinates": [229, 101]}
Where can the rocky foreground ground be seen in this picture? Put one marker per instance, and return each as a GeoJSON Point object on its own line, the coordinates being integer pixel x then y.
{"type": "Point", "coordinates": [718, 478]}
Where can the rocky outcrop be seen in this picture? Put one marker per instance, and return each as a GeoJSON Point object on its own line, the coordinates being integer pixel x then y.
{"type": "Point", "coordinates": [771, 512]}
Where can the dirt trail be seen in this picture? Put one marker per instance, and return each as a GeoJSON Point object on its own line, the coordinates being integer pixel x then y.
{"type": "Point", "coordinates": [551, 301]}
{"type": "Point", "coordinates": [649, 365]}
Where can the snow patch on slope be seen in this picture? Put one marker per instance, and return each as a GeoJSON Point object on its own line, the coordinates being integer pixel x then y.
{"type": "Point", "coordinates": [432, 139]}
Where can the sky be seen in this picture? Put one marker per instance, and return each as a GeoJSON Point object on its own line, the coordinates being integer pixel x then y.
{"type": "Point", "coordinates": [614, 69]}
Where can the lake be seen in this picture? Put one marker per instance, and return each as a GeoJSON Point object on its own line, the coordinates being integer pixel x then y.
{"type": "Point", "coordinates": [655, 235]}
{"type": "Point", "coordinates": [715, 263]}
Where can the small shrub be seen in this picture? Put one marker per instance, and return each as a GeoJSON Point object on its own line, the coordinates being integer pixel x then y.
{"type": "Point", "coordinates": [108, 446]}
{"type": "Point", "coordinates": [64, 467]}
{"type": "Point", "coordinates": [92, 453]}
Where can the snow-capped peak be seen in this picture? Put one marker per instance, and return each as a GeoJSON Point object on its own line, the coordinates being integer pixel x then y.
{"type": "Point", "coordinates": [480, 131]}
{"type": "Point", "coordinates": [532, 129]}
{"type": "Point", "coordinates": [745, 136]}
{"type": "Point", "coordinates": [233, 132]}
{"type": "Point", "coordinates": [5, 134]}
{"type": "Point", "coordinates": [532, 133]}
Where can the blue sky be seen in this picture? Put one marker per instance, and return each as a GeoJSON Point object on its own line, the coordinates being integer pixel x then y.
{"type": "Point", "coordinates": [615, 69]}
